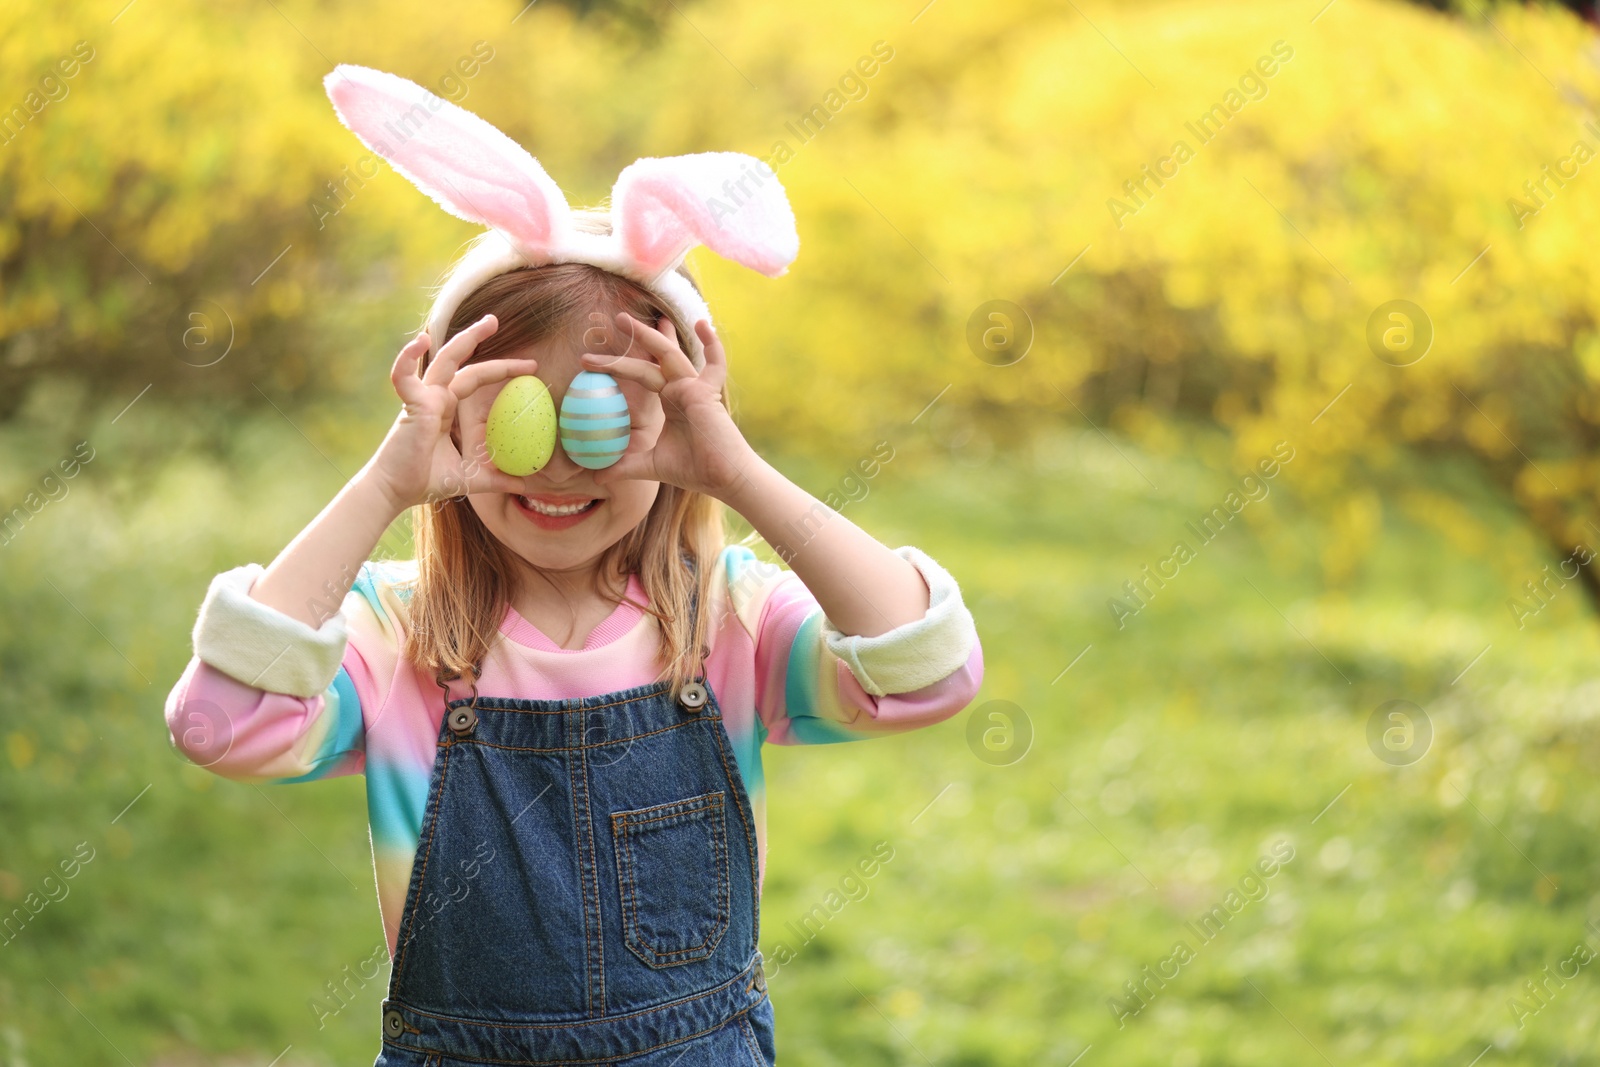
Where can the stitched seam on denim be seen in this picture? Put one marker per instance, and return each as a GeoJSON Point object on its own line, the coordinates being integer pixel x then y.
{"type": "Point", "coordinates": [408, 921]}
{"type": "Point", "coordinates": [609, 1020]}
{"type": "Point", "coordinates": [686, 806]}
{"type": "Point", "coordinates": [608, 1061]}
{"type": "Point", "coordinates": [690, 815]}
{"type": "Point", "coordinates": [623, 846]}
{"type": "Point", "coordinates": [724, 874]}
{"type": "Point", "coordinates": [578, 748]}
{"type": "Point", "coordinates": [750, 1040]}
{"type": "Point", "coordinates": [737, 784]}
{"type": "Point", "coordinates": [594, 865]}
{"type": "Point", "coordinates": [575, 792]}
{"type": "Point", "coordinates": [594, 934]}
{"type": "Point", "coordinates": [622, 824]}
{"type": "Point", "coordinates": [572, 793]}
{"type": "Point", "coordinates": [498, 704]}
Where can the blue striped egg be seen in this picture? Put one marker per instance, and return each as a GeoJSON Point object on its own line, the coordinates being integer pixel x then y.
{"type": "Point", "coordinates": [594, 421]}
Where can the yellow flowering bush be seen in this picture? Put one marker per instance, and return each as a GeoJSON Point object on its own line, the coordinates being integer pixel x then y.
{"type": "Point", "coordinates": [1198, 207]}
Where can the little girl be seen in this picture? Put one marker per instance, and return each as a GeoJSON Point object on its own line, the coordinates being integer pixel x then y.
{"type": "Point", "coordinates": [559, 706]}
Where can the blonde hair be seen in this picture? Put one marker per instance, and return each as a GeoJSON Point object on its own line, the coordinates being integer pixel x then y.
{"type": "Point", "coordinates": [466, 576]}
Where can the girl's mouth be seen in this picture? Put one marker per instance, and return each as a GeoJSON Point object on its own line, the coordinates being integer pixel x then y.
{"type": "Point", "coordinates": [556, 512]}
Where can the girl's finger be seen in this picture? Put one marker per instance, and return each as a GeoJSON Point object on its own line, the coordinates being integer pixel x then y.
{"type": "Point", "coordinates": [471, 429]}
{"type": "Point", "coordinates": [715, 371]}
{"type": "Point", "coordinates": [403, 374]}
{"type": "Point", "coordinates": [667, 353]}
{"type": "Point", "coordinates": [411, 352]}
{"type": "Point", "coordinates": [469, 380]}
{"type": "Point", "coordinates": [491, 479]}
{"type": "Point", "coordinates": [630, 368]}
{"type": "Point", "coordinates": [645, 417]}
{"type": "Point", "coordinates": [632, 465]}
{"type": "Point", "coordinates": [457, 349]}
{"type": "Point", "coordinates": [481, 476]}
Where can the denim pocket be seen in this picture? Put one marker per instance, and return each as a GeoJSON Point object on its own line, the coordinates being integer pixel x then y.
{"type": "Point", "coordinates": [672, 871]}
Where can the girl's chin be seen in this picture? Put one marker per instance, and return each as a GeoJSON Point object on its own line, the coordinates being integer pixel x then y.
{"type": "Point", "coordinates": [548, 556]}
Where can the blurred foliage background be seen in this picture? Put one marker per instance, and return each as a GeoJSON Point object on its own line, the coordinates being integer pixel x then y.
{"type": "Point", "coordinates": [204, 280]}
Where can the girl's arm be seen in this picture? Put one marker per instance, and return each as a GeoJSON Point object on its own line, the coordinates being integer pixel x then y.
{"type": "Point", "coordinates": [284, 659]}
{"type": "Point", "coordinates": [811, 684]}
{"type": "Point", "coordinates": [416, 462]}
{"type": "Point", "coordinates": [864, 587]}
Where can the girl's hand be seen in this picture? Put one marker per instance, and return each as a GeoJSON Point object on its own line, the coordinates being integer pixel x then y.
{"type": "Point", "coordinates": [698, 448]}
{"type": "Point", "coordinates": [418, 460]}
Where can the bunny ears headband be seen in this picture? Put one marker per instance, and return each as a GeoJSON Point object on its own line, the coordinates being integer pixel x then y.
{"type": "Point", "coordinates": [660, 208]}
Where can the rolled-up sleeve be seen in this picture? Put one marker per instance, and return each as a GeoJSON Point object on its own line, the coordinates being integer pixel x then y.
{"type": "Point", "coordinates": [266, 697]}
{"type": "Point", "coordinates": [816, 685]}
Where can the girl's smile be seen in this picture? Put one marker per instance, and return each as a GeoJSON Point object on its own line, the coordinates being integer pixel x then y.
{"type": "Point", "coordinates": [556, 512]}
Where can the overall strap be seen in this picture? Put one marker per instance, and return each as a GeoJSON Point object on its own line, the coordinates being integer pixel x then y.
{"type": "Point", "coordinates": [694, 588]}
{"type": "Point", "coordinates": [443, 679]}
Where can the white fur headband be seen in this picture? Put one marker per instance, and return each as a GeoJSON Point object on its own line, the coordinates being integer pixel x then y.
{"type": "Point", "coordinates": [660, 208]}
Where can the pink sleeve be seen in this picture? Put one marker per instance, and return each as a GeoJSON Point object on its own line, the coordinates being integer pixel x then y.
{"type": "Point", "coordinates": [250, 734]}
{"type": "Point", "coordinates": [807, 695]}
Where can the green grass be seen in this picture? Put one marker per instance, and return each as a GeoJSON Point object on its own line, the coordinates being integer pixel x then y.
{"type": "Point", "coordinates": [1229, 714]}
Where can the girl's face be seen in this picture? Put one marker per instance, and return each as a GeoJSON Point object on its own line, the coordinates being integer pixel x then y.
{"type": "Point", "coordinates": [562, 520]}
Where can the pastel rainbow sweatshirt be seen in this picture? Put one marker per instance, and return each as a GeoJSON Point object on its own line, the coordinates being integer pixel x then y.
{"type": "Point", "coordinates": [269, 699]}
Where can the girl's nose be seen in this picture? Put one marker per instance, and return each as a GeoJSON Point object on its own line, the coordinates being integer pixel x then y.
{"type": "Point", "coordinates": [559, 468]}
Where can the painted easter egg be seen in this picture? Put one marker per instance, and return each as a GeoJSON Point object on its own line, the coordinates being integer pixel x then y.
{"type": "Point", "coordinates": [594, 420]}
{"type": "Point", "coordinates": [521, 431]}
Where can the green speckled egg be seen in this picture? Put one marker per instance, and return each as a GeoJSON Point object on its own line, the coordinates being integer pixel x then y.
{"type": "Point", "coordinates": [521, 431]}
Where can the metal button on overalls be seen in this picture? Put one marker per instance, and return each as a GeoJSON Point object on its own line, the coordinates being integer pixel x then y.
{"type": "Point", "coordinates": [394, 1024]}
{"type": "Point", "coordinates": [462, 719]}
{"type": "Point", "coordinates": [692, 696]}
{"type": "Point", "coordinates": [758, 980]}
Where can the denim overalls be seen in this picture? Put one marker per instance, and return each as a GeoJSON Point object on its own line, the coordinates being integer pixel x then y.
{"type": "Point", "coordinates": [584, 891]}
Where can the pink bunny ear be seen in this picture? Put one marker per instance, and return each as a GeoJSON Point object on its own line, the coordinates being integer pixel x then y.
{"type": "Point", "coordinates": [474, 171]}
{"type": "Point", "coordinates": [730, 202]}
